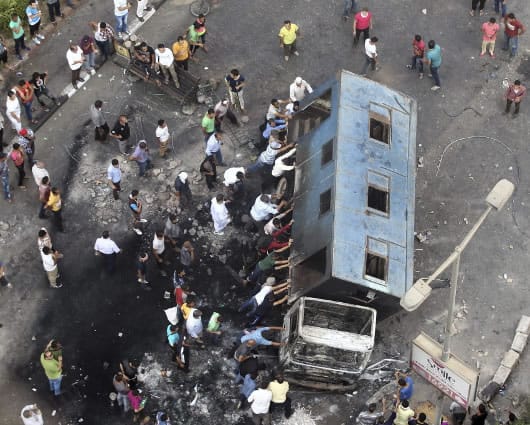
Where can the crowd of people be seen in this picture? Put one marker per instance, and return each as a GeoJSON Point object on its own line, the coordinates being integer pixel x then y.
{"type": "Point", "coordinates": [263, 390]}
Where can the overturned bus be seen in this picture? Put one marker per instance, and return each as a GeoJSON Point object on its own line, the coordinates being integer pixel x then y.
{"type": "Point", "coordinates": [353, 243]}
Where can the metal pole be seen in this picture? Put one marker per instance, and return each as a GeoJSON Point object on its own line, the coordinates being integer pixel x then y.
{"type": "Point", "coordinates": [450, 310]}
{"type": "Point", "coordinates": [449, 326]}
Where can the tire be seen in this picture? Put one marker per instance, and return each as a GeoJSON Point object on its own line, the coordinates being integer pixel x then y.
{"type": "Point", "coordinates": [200, 6]}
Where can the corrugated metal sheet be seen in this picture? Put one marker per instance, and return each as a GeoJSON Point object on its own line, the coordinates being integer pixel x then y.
{"type": "Point", "coordinates": [350, 226]}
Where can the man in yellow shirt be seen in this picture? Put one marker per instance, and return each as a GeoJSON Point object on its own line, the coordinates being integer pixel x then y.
{"type": "Point", "coordinates": [279, 388]}
{"type": "Point", "coordinates": [181, 52]}
{"type": "Point", "coordinates": [288, 34]}
{"type": "Point", "coordinates": [55, 205]}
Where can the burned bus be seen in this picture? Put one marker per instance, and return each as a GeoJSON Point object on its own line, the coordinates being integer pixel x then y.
{"type": "Point", "coordinates": [354, 193]}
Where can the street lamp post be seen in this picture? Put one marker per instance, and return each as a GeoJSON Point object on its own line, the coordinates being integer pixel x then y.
{"type": "Point", "coordinates": [421, 290]}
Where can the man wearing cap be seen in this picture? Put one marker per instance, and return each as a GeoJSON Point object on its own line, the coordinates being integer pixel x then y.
{"type": "Point", "coordinates": [88, 47]}
{"type": "Point", "coordinates": [182, 188]}
{"type": "Point", "coordinates": [221, 110]}
{"type": "Point", "coordinates": [106, 247]}
{"type": "Point", "coordinates": [26, 139]}
{"type": "Point", "coordinates": [298, 88]}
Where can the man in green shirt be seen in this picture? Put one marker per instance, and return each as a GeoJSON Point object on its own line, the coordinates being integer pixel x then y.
{"type": "Point", "coordinates": [16, 27]}
{"type": "Point", "coordinates": [53, 369]}
{"type": "Point", "coordinates": [194, 38]}
{"type": "Point", "coordinates": [208, 124]}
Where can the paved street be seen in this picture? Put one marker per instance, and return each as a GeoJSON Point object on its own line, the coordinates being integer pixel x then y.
{"type": "Point", "coordinates": [465, 142]}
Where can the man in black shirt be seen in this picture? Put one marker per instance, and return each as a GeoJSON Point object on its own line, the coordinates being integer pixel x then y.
{"type": "Point", "coordinates": [144, 57]}
{"type": "Point", "coordinates": [121, 133]}
{"type": "Point", "coordinates": [38, 82]}
{"type": "Point", "coordinates": [235, 82]}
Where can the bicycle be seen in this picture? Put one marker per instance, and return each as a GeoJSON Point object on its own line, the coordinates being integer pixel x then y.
{"type": "Point", "coordinates": [200, 7]}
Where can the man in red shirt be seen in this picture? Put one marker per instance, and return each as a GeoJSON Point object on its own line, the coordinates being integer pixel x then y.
{"type": "Point", "coordinates": [418, 49]}
{"type": "Point", "coordinates": [512, 30]}
{"type": "Point", "coordinates": [514, 94]}
{"type": "Point", "coordinates": [24, 92]}
{"type": "Point", "coordinates": [489, 35]}
{"type": "Point", "coordinates": [17, 156]}
{"type": "Point", "coordinates": [362, 23]}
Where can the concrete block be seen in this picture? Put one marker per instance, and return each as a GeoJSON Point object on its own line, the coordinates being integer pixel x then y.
{"type": "Point", "coordinates": [502, 374]}
{"type": "Point", "coordinates": [510, 359]}
{"type": "Point", "coordinates": [519, 342]}
{"type": "Point", "coordinates": [524, 325]}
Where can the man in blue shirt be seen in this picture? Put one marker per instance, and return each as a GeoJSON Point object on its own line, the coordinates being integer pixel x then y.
{"type": "Point", "coordinates": [141, 156]}
{"type": "Point", "coordinates": [257, 335]}
{"type": "Point", "coordinates": [433, 58]}
{"type": "Point", "coordinates": [249, 385]}
{"type": "Point", "coordinates": [406, 386]}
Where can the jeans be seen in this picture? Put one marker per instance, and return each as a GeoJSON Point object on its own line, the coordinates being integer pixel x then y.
{"type": "Point", "coordinates": [509, 105]}
{"type": "Point", "coordinates": [368, 62]}
{"type": "Point", "coordinates": [5, 185]}
{"type": "Point", "coordinates": [480, 4]}
{"type": "Point", "coordinates": [256, 167]}
{"type": "Point", "coordinates": [365, 32]}
{"type": "Point", "coordinates": [44, 93]}
{"type": "Point", "coordinates": [182, 64]}
{"type": "Point", "coordinates": [42, 210]}
{"type": "Point", "coordinates": [27, 109]}
{"type": "Point", "coordinates": [123, 401]}
{"type": "Point", "coordinates": [104, 48]}
{"type": "Point", "coordinates": [143, 167]}
{"type": "Point", "coordinates": [55, 385]}
{"type": "Point", "coordinates": [218, 157]}
{"type": "Point", "coordinates": [58, 218]}
{"type": "Point", "coordinates": [21, 174]}
{"type": "Point", "coordinates": [417, 62]}
{"type": "Point", "coordinates": [116, 192]}
{"type": "Point", "coordinates": [19, 44]}
{"type": "Point", "coordinates": [110, 262]}
{"type": "Point", "coordinates": [500, 7]}
{"type": "Point", "coordinates": [349, 7]}
{"type": "Point", "coordinates": [170, 70]}
{"type": "Point", "coordinates": [511, 43]}
{"type": "Point", "coordinates": [289, 49]}
{"type": "Point", "coordinates": [251, 304]}
{"type": "Point", "coordinates": [435, 75]}
{"type": "Point", "coordinates": [121, 23]}
{"type": "Point", "coordinates": [54, 10]}
{"type": "Point", "coordinates": [90, 61]}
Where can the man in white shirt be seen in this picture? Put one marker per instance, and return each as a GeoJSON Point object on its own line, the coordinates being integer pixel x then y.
{"type": "Point", "coordinates": [164, 61]}
{"type": "Point", "coordinates": [298, 88]}
{"type": "Point", "coordinates": [114, 178]}
{"type": "Point", "coordinates": [274, 111]}
{"type": "Point", "coordinates": [263, 208]}
{"type": "Point", "coordinates": [213, 147]}
{"type": "Point", "coordinates": [279, 165]}
{"type": "Point", "coordinates": [222, 109]}
{"type": "Point", "coordinates": [75, 59]}
{"type": "Point", "coordinates": [13, 110]}
{"type": "Point", "coordinates": [159, 247]}
{"type": "Point", "coordinates": [49, 262]}
{"type": "Point", "coordinates": [121, 11]}
{"type": "Point", "coordinates": [162, 134]}
{"type": "Point", "coordinates": [194, 325]}
{"type": "Point", "coordinates": [260, 401]}
{"type": "Point", "coordinates": [370, 50]}
{"type": "Point", "coordinates": [230, 175]}
{"type": "Point", "coordinates": [39, 172]}
{"type": "Point", "coordinates": [106, 247]}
